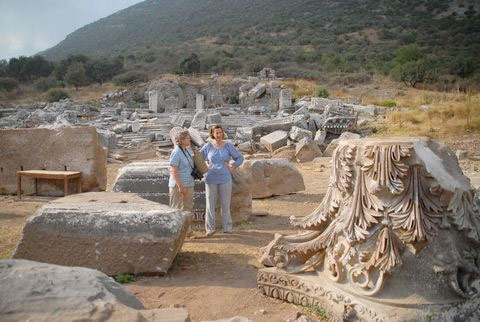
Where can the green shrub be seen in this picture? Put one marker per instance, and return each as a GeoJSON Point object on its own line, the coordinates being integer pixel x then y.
{"type": "Point", "coordinates": [321, 92]}
{"type": "Point", "coordinates": [8, 84]}
{"type": "Point", "coordinates": [43, 84]}
{"type": "Point", "coordinates": [388, 103]}
{"type": "Point", "coordinates": [130, 77]}
{"type": "Point", "coordinates": [124, 278]}
{"type": "Point", "coordinates": [56, 94]}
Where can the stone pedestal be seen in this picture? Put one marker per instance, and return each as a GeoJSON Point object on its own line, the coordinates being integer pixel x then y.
{"type": "Point", "coordinates": [396, 236]}
{"type": "Point", "coordinates": [285, 103]}
{"type": "Point", "coordinates": [153, 101]}
{"type": "Point", "coordinates": [199, 102]}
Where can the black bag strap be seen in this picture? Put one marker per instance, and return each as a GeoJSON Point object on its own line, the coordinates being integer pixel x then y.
{"type": "Point", "coordinates": [188, 160]}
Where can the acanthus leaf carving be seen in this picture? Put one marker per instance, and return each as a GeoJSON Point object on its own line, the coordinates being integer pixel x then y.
{"type": "Point", "coordinates": [386, 255]}
{"type": "Point", "coordinates": [362, 210]}
{"type": "Point", "coordinates": [416, 214]}
{"type": "Point", "coordinates": [385, 167]}
{"type": "Point", "coordinates": [465, 213]}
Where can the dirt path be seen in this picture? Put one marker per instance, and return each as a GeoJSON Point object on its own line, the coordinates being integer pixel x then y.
{"type": "Point", "coordinates": [213, 277]}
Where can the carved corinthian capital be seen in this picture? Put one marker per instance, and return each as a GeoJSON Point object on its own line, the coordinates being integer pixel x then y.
{"type": "Point", "coordinates": [398, 213]}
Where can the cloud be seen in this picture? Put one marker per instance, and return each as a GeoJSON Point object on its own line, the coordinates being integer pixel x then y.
{"type": "Point", "coordinates": [30, 26]}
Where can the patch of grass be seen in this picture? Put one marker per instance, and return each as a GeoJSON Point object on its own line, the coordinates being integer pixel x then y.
{"type": "Point", "coordinates": [387, 103]}
{"type": "Point", "coordinates": [321, 92]}
{"type": "Point", "coordinates": [124, 278]}
{"type": "Point", "coordinates": [301, 87]}
{"type": "Point", "coordinates": [317, 311]}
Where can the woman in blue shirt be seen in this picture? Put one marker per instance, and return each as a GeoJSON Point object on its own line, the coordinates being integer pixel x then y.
{"type": "Point", "coordinates": [181, 181]}
{"type": "Point", "coordinates": [218, 179]}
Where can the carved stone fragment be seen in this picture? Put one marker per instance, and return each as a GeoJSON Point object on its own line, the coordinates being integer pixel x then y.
{"type": "Point", "coordinates": [395, 237]}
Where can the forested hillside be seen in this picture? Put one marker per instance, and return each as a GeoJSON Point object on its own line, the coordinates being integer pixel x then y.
{"type": "Point", "coordinates": [308, 35]}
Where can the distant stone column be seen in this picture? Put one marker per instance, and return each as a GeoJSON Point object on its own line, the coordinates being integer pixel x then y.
{"type": "Point", "coordinates": [199, 102]}
{"type": "Point", "coordinates": [153, 101]}
{"type": "Point", "coordinates": [285, 103]}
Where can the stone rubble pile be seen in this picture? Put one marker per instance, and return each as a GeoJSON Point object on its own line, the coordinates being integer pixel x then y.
{"type": "Point", "coordinates": [263, 107]}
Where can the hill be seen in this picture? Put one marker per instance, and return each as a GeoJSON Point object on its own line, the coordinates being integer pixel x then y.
{"type": "Point", "coordinates": [291, 35]}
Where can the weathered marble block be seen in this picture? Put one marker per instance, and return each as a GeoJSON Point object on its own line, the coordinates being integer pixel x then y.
{"type": "Point", "coordinates": [273, 177]}
{"type": "Point", "coordinates": [149, 180]}
{"type": "Point", "coordinates": [115, 233]}
{"type": "Point", "coordinates": [33, 291]}
{"type": "Point", "coordinates": [395, 238]}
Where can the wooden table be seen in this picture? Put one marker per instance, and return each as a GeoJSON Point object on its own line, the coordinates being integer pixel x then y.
{"type": "Point", "coordinates": [44, 174]}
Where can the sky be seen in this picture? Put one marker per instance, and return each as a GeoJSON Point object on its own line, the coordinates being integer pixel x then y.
{"type": "Point", "coordinates": [30, 26]}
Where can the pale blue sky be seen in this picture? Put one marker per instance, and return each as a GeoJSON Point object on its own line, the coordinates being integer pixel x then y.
{"type": "Point", "coordinates": [30, 26]}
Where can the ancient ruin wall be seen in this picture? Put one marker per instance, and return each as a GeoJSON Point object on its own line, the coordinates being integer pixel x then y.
{"type": "Point", "coordinates": [73, 149]}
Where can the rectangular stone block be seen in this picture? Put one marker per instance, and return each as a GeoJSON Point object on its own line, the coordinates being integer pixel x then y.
{"type": "Point", "coordinates": [199, 102]}
{"type": "Point", "coordinates": [71, 149]}
{"type": "Point", "coordinates": [274, 140]}
{"type": "Point", "coordinates": [153, 101]}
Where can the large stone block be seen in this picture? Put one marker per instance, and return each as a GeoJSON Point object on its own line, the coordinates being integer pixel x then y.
{"type": "Point", "coordinates": [33, 291]}
{"type": "Point", "coordinates": [273, 177]}
{"type": "Point", "coordinates": [274, 140]}
{"type": "Point", "coordinates": [115, 233]}
{"type": "Point", "coordinates": [284, 124]}
{"type": "Point", "coordinates": [199, 120]}
{"type": "Point", "coordinates": [334, 143]}
{"type": "Point", "coordinates": [149, 180]}
{"type": "Point", "coordinates": [72, 149]}
{"type": "Point", "coordinates": [286, 96]}
{"type": "Point", "coordinates": [297, 133]}
{"type": "Point", "coordinates": [107, 139]}
{"type": "Point", "coordinates": [306, 150]}
{"type": "Point", "coordinates": [243, 134]}
{"type": "Point", "coordinates": [257, 91]}
{"type": "Point", "coordinates": [394, 239]}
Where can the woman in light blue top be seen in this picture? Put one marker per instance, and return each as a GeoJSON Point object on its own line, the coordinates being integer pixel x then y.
{"type": "Point", "coordinates": [218, 179]}
{"type": "Point", "coordinates": [181, 181]}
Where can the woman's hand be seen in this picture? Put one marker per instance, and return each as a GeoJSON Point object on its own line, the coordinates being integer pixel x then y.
{"type": "Point", "coordinates": [181, 189]}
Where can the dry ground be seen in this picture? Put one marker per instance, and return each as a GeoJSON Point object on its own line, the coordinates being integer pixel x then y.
{"type": "Point", "coordinates": [215, 277]}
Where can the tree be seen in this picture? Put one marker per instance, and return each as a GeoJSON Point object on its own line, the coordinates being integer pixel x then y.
{"type": "Point", "coordinates": [412, 67]}
{"type": "Point", "coordinates": [407, 54]}
{"type": "Point", "coordinates": [190, 65]}
{"type": "Point", "coordinates": [28, 68]}
{"type": "Point", "coordinates": [463, 67]}
{"type": "Point", "coordinates": [76, 75]}
{"type": "Point", "coordinates": [3, 67]}
{"type": "Point", "coordinates": [413, 72]}
{"type": "Point", "coordinates": [102, 70]}
{"type": "Point", "coordinates": [62, 67]}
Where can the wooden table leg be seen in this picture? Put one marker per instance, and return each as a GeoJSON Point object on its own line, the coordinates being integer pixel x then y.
{"type": "Point", "coordinates": [19, 186]}
{"type": "Point", "coordinates": [79, 184]}
{"type": "Point", "coordinates": [65, 187]}
{"type": "Point", "coordinates": [36, 186]}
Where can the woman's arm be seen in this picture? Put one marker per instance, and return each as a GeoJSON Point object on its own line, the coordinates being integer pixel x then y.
{"type": "Point", "coordinates": [204, 151]}
{"type": "Point", "coordinates": [176, 176]}
{"type": "Point", "coordinates": [235, 154]}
